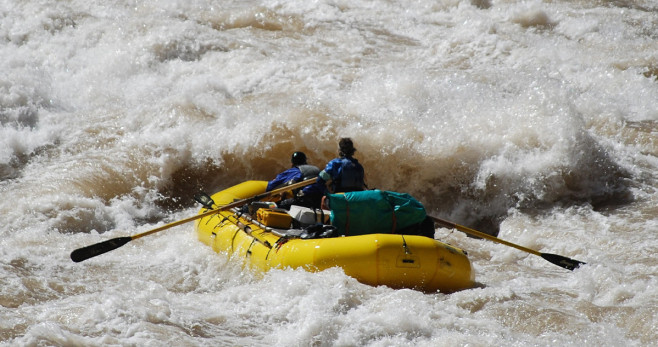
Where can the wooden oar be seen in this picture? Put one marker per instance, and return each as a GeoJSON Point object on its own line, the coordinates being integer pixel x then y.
{"type": "Point", "coordinates": [87, 252]}
{"type": "Point", "coordinates": [559, 260]}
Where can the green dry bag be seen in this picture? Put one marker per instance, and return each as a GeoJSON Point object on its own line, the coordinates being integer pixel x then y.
{"type": "Point", "coordinates": [374, 212]}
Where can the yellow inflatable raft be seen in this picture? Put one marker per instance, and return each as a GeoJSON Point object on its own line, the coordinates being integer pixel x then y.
{"type": "Point", "coordinates": [396, 261]}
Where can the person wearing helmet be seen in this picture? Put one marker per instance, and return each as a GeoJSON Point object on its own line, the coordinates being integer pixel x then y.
{"type": "Point", "coordinates": [345, 173]}
{"type": "Point", "coordinates": [309, 196]}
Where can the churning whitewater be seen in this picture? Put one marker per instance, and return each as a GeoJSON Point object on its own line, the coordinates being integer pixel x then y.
{"type": "Point", "coordinates": [533, 120]}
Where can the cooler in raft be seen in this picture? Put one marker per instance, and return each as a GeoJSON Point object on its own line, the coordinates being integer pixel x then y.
{"type": "Point", "coordinates": [393, 260]}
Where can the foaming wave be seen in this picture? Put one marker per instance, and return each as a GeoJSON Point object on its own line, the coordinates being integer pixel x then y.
{"type": "Point", "coordinates": [471, 184]}
{"type": "Point", "coordinates": [471, 166]}
{"type": "Point", "coordinates": [256, 17]}
{"type": "Point", "coordinates": [476, 156]}
{"type": "Point", "coordinates": [533, 18]}
{"type": "Point", "coordinates": [24, 98]}
{"type": "Point", "coordinates": [470, 145]}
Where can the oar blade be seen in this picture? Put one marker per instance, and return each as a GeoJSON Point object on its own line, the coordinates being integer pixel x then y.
{"type": "Point", "coordinates": [559, 260]}
{"type": "Point", "coordinates": [91, 251]}
{"type": "Point", "coordinates": [103, 247]}
{"type": "Point", "coordinates": [204, 199]}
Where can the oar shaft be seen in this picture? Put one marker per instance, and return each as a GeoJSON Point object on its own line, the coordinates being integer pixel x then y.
{"type": "Point", "coordinates": [170, 225]}
{"type": "Point", "coordinates": [87, 252]}
{"type": "Point", "coordinates": [227, 207]}
{"type": "Point", "coordinates": [559, 260]}
{"type": "Point", "coordinates": [483, 235]}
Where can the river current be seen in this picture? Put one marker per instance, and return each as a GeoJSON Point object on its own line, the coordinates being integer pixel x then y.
{"type": "Point", "coordinates": [535, 120]}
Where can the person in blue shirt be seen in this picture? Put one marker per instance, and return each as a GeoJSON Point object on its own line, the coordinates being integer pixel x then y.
{"type": "Point", "coordinates": [309, 196]}
{"type": "Point", "coordinates": [345, 173]}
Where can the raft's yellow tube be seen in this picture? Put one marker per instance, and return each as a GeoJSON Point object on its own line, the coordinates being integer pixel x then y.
{"type": "Point", "coordinates": [397, 261]}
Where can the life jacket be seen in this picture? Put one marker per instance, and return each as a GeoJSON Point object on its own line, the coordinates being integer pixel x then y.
{"type": "Point", "coordinates": [350, 176]}
{"type": "Point", "coordinates": [308, 171]}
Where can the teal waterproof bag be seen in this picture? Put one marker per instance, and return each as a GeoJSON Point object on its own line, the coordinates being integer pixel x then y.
{"type": "Point", "coordinates": [374, 212]}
